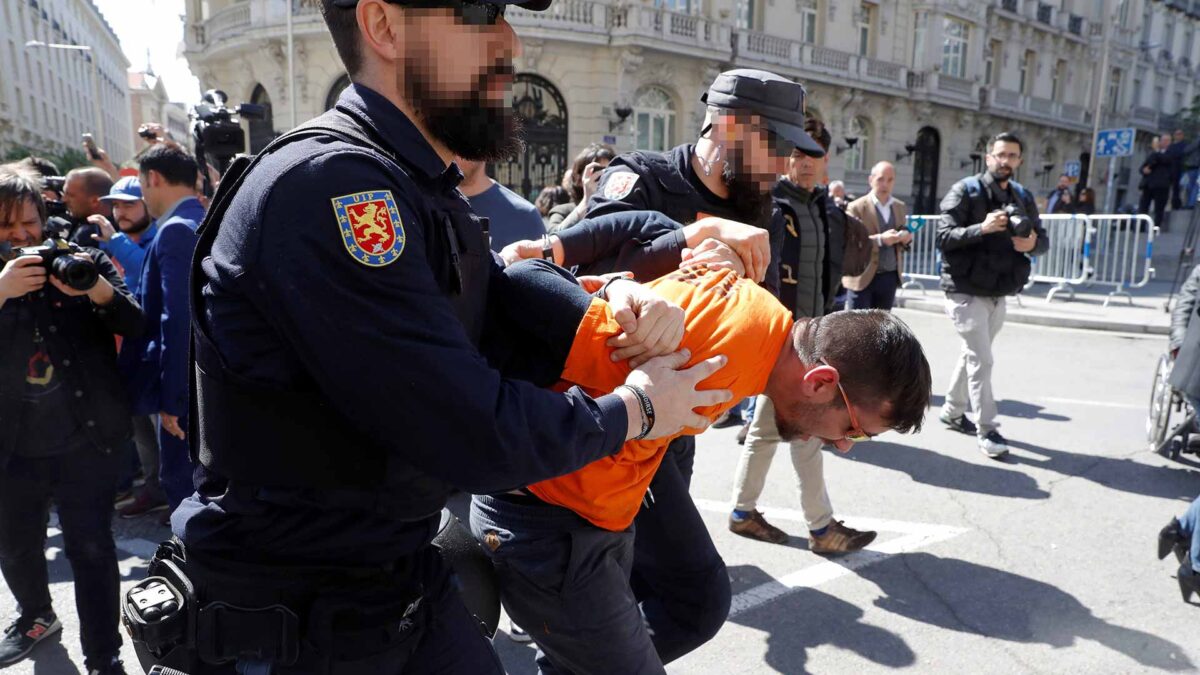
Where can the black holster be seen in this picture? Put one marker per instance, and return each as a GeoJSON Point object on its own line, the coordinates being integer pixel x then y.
{"type": "Point", "coordinates": [326, 621]}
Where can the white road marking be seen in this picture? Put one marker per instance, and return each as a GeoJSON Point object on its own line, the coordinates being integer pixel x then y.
{"type": "Point", "coordinates": [914, 536]}
{"type": "Point", "coordinates": [1102, 404]}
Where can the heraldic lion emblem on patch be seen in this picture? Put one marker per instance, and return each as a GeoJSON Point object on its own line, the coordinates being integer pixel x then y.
{"type": "Point", "coordinates": [371, 227]}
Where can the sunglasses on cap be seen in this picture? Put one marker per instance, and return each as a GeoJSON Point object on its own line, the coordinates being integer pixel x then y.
{"type": "Point", "coordinates": [472, 13]}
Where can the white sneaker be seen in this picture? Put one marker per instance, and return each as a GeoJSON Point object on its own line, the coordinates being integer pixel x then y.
{"type": "Point", "coordinates": [518, 634]}
{"type": "Point", "coordinates": [993, 444]}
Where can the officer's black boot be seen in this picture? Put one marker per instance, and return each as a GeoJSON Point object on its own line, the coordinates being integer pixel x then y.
{"type": "Point", "coordinates": [1189, 579]}
{"type": "Point", "coordinates": [1170, 538]}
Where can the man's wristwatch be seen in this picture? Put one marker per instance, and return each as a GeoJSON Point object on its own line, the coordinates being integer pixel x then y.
{"type": "Point", "coordinates": [547, 248]}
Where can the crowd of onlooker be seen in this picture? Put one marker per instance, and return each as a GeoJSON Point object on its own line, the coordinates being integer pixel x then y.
{"type": "Point", "coordinates": [1168, 174]}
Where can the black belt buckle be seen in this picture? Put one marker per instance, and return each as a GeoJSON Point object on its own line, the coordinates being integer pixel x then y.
{"type": "Point", "coordinates": [226, 633]}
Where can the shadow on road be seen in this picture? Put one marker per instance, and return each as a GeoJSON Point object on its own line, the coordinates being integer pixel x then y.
{"type": "Point", "coordinates": [1010, 408]}
{"type": "Point", "coordinates": [971, 598]}
{"type": "Point", "coordinates": [943, 470]}
{"type": "Point", "coordinates": [820, 619]}
{"type": "Point", "coordinates": [50, 658]}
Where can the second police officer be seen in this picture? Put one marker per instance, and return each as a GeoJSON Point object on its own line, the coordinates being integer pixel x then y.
{"type": "Point", "coordinates": [339, 294]}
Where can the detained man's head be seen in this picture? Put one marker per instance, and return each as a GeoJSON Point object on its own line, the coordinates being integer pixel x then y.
{"type": "Point", "coordinates": [849, 375]}
{"type": "Point", "coordinates": [131, 217]}
{"type": "Point", "coordinates": [453, 68]}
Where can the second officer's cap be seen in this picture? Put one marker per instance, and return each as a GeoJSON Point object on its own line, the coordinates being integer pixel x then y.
{"type": "Point", "coordinates": [778, 101]}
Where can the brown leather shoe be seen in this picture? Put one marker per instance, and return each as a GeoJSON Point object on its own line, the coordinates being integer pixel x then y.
{"type": "Point", "coordinates": [755, 526]}
{"type": "Point", "coordinates": [839, 539]}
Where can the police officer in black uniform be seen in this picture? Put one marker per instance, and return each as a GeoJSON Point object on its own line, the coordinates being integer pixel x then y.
{"type": "Point", "coordinates": [716, 188]}
{"type": "Point", "coordinates": [340, 290]}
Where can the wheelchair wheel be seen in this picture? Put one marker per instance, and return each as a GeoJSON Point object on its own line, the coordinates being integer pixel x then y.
{"type": "Point", "coordinates": [1162, 402]}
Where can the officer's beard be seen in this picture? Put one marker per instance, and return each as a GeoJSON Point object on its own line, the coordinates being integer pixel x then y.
{"type": "Point", "coordinates": [749, 198]}
{"type": "Point", "coordinates": [476, 128]}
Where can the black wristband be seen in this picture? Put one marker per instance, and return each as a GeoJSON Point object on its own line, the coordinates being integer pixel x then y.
{"type": "Point", "coordinates": [603, 292]}
{"type": "Point", "coordinates": [547, 248]}
{"type": "Point", "coordinates": [646, 407]}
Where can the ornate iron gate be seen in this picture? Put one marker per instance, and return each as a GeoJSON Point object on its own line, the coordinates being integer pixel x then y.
{"type": "Point", "coordinates": [543, 115]}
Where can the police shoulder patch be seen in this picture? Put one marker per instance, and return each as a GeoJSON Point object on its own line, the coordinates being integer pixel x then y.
{"type": "Point", "coordinates": [370, 226]}
{"type": "Point", "coordinates": [620, 184]}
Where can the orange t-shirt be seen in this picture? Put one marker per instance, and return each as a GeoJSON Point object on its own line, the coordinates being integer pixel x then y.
{"type": "Point", "coordinates": [724, 314]}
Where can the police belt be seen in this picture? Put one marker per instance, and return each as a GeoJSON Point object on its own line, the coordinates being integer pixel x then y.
{"type": "Point", "coordinates": [238, 610]}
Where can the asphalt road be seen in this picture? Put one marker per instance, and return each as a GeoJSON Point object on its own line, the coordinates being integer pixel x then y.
{"type": "Point", "coordinates": [1041, 562]}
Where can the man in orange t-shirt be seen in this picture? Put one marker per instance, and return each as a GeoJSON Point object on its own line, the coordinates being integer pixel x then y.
{"type": "Point", "coordinates": [563, 548]}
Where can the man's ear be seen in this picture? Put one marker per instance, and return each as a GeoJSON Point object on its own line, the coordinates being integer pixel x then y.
{"type": "Point", "coordinates": [377, 27]}
{"type": "Point", "coordinates": [820, 378]}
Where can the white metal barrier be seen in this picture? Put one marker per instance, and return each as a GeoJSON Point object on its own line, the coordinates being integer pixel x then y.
{"type": "Point", "coordinates": [923, 261]}
{"type": "Point", "coordinates": [1067, 261]}
{"type": "Point", "coordinates": [1122, 253]}
{"type": "Point", "coordinates": [1104, 250]}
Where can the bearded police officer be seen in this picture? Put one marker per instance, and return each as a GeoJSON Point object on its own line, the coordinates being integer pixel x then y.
{"type": "Point", "coordinates": [339, 290]}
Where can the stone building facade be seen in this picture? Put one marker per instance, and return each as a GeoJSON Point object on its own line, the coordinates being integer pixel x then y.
{"type": "Point", "coordinates": [918, 83]}
{"type": "Point", "coordinates": [47, 95]}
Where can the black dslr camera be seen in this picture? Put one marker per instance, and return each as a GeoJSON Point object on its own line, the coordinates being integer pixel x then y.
{"type": "Point", "coordinates": [1018, 223]}
{"type": "Point", "coordinates": [58, 256]}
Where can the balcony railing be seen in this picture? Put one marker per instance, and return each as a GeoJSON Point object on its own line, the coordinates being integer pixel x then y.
{"type": "Point", "coordinates": [761, 48]}
{"type": "Point", "coordinates": [1145, 116]}
{"type": "Point", "coordinates": [954, 85]}
{"type": "Point", "coordinates": [573, 15]}
{"type": "Point", "coordinates": [1009, 101]}
{"type": "Point", "coordinates": [661, 25]}
{"type": "Point", "coordinates": [227, 22]}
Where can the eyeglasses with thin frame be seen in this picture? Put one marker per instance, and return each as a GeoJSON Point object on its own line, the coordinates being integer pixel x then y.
{"type": "Point", "coordinates": [856, 435]}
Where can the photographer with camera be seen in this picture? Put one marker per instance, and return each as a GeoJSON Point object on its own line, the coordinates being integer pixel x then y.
{"type": "Point", "coordinates": [988, 230]}
{"type": "Point", "coordinates": [65, 415]}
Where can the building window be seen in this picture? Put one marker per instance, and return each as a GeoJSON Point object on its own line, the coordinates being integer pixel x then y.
{"type": "Point", "coordinates": [1147, 23]}
{"type": "Point", "coordinates": [808, 22]}
{"type": "Point", "coordinates": [1136, 93]}
{"type": "Point", "coordinates": [1160, 97]}
{"type": "Point", "coordinates": [856, 156]}
{"type": "Point", "coordinates": [654, 120]}
{"type": "Point", "coordinates": [682, 6]}
{"type": "Point", "coordinates": [990, 72]}
{"type": "Point", "coordinates": [919, 27]}
{"type": "Point", "coordinates": [1114, 90]}
{"type": "Point", "coordinates": [1058, 80]}
{"type": "Point", "coordinates": [1189, 39]}
{"type": "Point", "coordinates": [1178, 103]}
{"type": "Point", "coordinates": [863, 18]}
{"type": "Point", "coordinates": [745, 14]}
{"type": "Point", "coordinates": [1028, 68]}
{"type": "Point", "coordinates": [954, 47]}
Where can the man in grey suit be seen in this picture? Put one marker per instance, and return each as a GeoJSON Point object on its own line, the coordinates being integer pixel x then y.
{"type": "Point", "coordinates": [883, 215]}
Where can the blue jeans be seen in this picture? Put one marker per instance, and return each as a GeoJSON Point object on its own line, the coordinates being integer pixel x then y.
{"type": "Point", "coordinates": [82, 484]}
{"type": "Point", "coordinates": [1189, 524]}
{"type": "Point", "coordinates": [566, 582]}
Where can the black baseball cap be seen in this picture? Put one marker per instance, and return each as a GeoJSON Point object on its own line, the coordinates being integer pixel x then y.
{"type": "Point", "coordinates": [532, 5]}
{"type": "Point", "coordinates": [778, 101]}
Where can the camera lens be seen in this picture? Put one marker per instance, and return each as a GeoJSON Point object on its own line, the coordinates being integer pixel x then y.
{"type": "Point", "coordinates": [78, 274]}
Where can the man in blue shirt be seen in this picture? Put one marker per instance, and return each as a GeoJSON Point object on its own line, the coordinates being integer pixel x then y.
{"type": "Point", "coordinates": [157, 362]}
{"type": "Point", "coordinates": [511, 218]}
{"type": "Point", "coordinates": [133, 233]}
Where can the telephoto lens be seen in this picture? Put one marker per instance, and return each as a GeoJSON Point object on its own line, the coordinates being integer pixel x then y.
{"type": "Point", "coordinates": [75, 272]}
